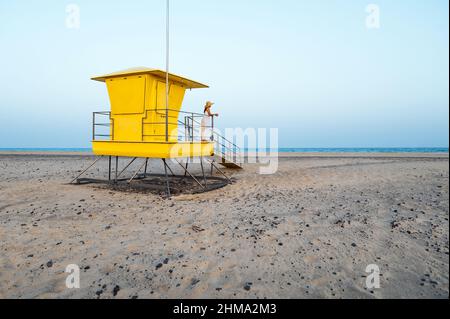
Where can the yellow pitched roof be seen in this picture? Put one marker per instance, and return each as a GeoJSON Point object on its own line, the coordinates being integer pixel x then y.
{"type": "Point", "coordinates": [158, 73]}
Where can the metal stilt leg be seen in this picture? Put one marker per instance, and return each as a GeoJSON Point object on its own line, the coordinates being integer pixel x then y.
{"type": "Point", "coordinates": [203, 171]}
{"type": "Point", "coordinates": [171, 172]}
{"type": "Point", "coordinates": [212, 163]}
{"type": "Point", "coordinates": [193, 177]}
{"type": "Point", "coordinates": [185, 170]}
{"type": "Point", "coordinates": [109, 168]}
{"type": "Point", "coordinates": [140, 167]}
{"type": "Point", "coordinates": [167, 178]}
{"type": "Point", "coordinates": [145, 169]}
{"type": "Point", "coordinates": [128, 165]}
{"type": "Point", "coordinates": [86, 169]}
{"type": "Point", "coordinates": [117, 167]}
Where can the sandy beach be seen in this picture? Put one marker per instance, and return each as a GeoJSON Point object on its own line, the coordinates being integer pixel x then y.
{"type": "Point", "coordinates": [307, 231]}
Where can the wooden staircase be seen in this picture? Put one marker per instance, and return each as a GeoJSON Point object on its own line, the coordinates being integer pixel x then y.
{"type": "Point", "coordinates": [227, 153]}
{"type": "Point", "coordinates": [226, 163]}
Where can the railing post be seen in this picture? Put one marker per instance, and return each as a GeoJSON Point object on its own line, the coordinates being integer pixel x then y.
{"type": "Point", "coordinates": [192, 127]}
{"type": "Point", "coordinates": [167, 124]}
{"type": "Point", "coordinates": [111, 127]}
{"type": "Point", "coordinates": [186, 129]}
{"type": "Point", "coordinates": [93, 126]}
{"type": "Point", "coordinates": [212, 128]}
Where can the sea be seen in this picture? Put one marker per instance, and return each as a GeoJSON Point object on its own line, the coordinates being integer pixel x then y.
{"type": "Point", "coordinates": [281, 150]}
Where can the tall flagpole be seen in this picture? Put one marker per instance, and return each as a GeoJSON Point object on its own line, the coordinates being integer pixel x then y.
{"type": "Point", "coordinates": [167, 69]}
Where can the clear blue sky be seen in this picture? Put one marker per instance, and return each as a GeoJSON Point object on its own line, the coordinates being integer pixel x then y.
{"type": "Point", "coordinates": [310, 68]}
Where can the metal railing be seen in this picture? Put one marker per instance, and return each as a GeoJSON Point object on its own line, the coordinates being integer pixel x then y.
{"type": "Point", "coordinates": [224, 147]}
{"type": "Point", "coordinates": [106, 122]}
{"type": "Point", "coordinates": [189, 129]}
{"type": "Point", "coordinates": [228, 150]}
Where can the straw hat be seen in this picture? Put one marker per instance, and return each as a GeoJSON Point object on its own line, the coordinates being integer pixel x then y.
{"type": "Point", "coordinates": [208, 105]}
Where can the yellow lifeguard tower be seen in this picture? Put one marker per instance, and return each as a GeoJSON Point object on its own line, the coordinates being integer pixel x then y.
{"type": "Point", "coordinates": [146, 121]}
{"type": "Point", "coordinates": [141, 125]}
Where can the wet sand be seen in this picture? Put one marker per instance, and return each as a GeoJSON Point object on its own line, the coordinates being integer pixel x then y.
{"type": "Point", "coordinates": [307, 231]}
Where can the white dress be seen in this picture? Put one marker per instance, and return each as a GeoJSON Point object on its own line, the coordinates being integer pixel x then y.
{"type": "Point", "coordinates": [206, 128]}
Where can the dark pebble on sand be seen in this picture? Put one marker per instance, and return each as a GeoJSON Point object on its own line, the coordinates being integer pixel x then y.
{"type": "Point", "coordinates": [49, 263]}
{"type": "Point", "coordinates": [116, 290]}
{"type": "Point", "coordinates": [194, 281]}
{"type": "Point", "coordinates": [166, 260]}
{"type": "Point", "coordinates": [159, 265]}
{"type": "Point", "coordinates": [353, 245]}
{"type": "Point", "coordinates": [247, 286]}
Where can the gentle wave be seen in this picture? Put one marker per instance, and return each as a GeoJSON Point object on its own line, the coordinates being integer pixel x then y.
{"type": "Point", "coordinates": [281, 150]}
